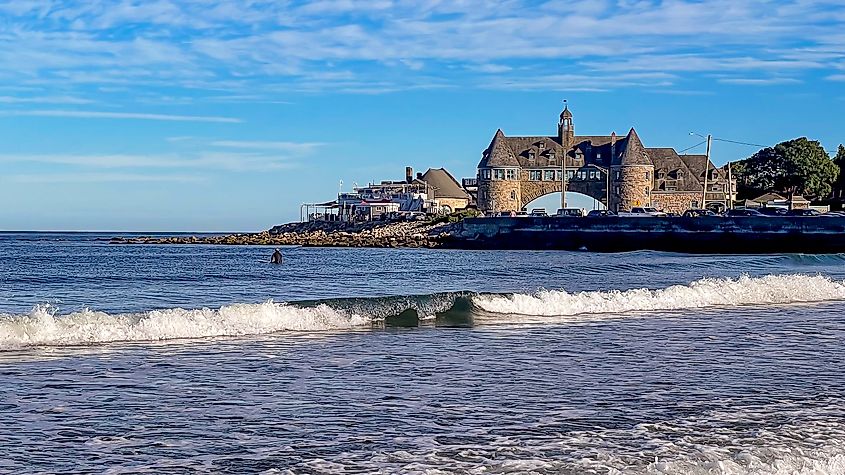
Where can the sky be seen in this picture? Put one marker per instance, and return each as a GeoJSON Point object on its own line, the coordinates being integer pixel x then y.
{"type": "Point", "coordinates": [225, 115]}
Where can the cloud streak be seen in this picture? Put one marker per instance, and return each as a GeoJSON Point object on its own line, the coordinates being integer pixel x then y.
{"type": "Point", "coordinates": [240, 49]}
{"type": "Point", "coordinates": [83, 114]}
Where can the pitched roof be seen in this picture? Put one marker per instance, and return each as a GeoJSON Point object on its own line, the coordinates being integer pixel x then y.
{"type": "Point", "coordinates": [766, 197]}
{"type": "Point", "coordinates": [444, 184]}
{"type": "Point", "coordinates": [633, 151]}
{"type": "Point", "coordinates": [498, 154]}
{"type": "Point", "coordinates": [696, 165]}
{"type": "Point", "coordinates": [667, 159]}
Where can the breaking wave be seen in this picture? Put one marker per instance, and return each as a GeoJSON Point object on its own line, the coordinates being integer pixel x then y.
{"type": "Point", "coordinates": [44, 326]}
{"type": "Point", "coordinates": [768, 290]}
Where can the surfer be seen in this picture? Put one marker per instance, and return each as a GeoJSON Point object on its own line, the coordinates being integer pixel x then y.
{"type": "Point", "coordinates": [276, 258]}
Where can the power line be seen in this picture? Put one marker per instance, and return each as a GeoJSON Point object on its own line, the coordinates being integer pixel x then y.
{"type": "Point", "coordinates": [741, 143]}
{"type": "Point", "coordinates": [690, 148]}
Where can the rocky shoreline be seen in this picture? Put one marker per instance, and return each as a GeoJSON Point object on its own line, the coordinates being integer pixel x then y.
{"type": "Point", "coordinates": [324, 234]}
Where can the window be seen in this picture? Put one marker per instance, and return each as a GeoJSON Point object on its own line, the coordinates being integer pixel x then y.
{"type": "Point", "coordinates": [570, 174]}
{"type": "Point", "coordinates": [531, 155]}
{"type": "Point", "coordinates": [549, 175]}
{"type": "Point", "coordinates": [617, 175]}
{"type": "Point", "coordinates": [598, 156]}
{"type": "Point", "coordinates": [593, 175]}
{"type": "Point", "coordinates": [511, 174]}
{"type": "Point", "coordinates": [647, 175]}
{"type": "Point", "coordinates": [541, 145]}
{"type": "Point", "coordinates": [498, 174]}
{"type": "Point", "coordinates": [535, 175]}
{"type": "Point", "coordinates": [513, 194]}
{"type": "Point", "coordinates": [647, 191]}
{"type": "Point", "coordinates": [558, 175]}
{"type": "Point", "coordinates": [486, 174]}
{"type": "Point", "coordinates": [582, 175]}
{"type": "Point", "coordinates": [616, 189]}
{"type": "Point", "coordinates": [551, 155]}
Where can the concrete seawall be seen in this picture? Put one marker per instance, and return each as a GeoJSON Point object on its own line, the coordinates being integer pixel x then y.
{"type": "Point", "coordinates": [711, 234]}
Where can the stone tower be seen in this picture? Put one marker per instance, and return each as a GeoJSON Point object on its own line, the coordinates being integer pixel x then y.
{"type": "Point", "coordinates": [499, 177]}
{"type": "Point", "coordinates": [566, 129]}
{"type": "Point", "coordinates": [632, 174]}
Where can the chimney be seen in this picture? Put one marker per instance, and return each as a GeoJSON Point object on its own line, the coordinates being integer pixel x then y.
{"type": "Point", "coordinates": [419, 175]}
{"type": "Point", "coordinates": [409, 174]}
{"type": "Point", "coordinates": [612, 146]}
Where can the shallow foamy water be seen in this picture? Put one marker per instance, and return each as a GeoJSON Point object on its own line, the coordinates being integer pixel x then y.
{"type": "Point", "coordinates": [522, 362]}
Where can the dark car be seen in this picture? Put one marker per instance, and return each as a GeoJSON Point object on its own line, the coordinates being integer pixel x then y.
{"type": "Point", "coordinates": [803, 212]}
{"type": "Point", "coordinates": [743, 212]}
{"type": "Point", "coordinates": [600, 213]}
{"type": "Point", "coordinates": [773, 211]}
{"type": "Point", "coordinates": [695, 213]}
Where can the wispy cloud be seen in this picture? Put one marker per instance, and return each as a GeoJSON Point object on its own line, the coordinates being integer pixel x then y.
{"type": "Point", "coordinates": [242, 50]}
{"type": "Point", "coordinates": [759, 81]}
{"type": "Point", "coordinates": [43, 100]}
{"type": "Point", "coordinates": [294, 147]}
{"type": "Point", "coordinates": [103, 178]}
{"type": "Point", "coordinates": [238, 162]}
{"type": "Point", "coordinates": [79, 114]}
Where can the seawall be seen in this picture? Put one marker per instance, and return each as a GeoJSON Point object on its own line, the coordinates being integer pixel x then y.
{"type": "Point", "coordinates": [710, 234]}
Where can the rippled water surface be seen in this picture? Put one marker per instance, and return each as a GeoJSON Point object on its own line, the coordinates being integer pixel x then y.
{"type": "Point", "coordinates": [192, 359]}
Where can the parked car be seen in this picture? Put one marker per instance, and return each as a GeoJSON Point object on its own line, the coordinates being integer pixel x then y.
{"type": "Point", "coordinates": [643, 212]}
{"type": "Point", "coordinates": [773, 211]}
{"type": "Point", "coordinates": [743, 212]}
{"type": "Point", "coordinates": [539, 212]}
{"type": "Point", "coordinates": [506, 214]}
{"type": "Point", "coordinates": [802, 212]}
{"type": "Point", "coordinates": [570, 213]}
{"type": "Point", "coordinates": [697, 213]}
{"type": "Point", "coordinates": [600, 213]}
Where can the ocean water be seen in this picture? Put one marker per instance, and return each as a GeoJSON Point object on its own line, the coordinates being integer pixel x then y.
{"type": "Point", "coordinates": [207, 359]}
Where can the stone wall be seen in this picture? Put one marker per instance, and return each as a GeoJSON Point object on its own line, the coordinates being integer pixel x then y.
{"type": "Point", "coordinates": [455, 204]}
{"type": "Point", "coordinates": [635, 183]}
{"type": "Point", "coordinates": [499, 195]}
{"type": "Point", "coordinates": [675, 201]}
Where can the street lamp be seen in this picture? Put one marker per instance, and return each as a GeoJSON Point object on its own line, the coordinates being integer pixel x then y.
{"type": "Point", "coordinates": [607, 185]}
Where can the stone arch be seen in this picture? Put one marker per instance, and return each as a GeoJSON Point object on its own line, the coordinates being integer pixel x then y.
{"type": "Point", "coordinates": [533, 190]}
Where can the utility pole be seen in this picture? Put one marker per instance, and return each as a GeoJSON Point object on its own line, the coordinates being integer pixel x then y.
{"type": "Point", "coordinates": [706, 172]}
{"type": "Point", "coordinates": [563, 180]}
{"type": "Point", "coordinates": [730, 188]}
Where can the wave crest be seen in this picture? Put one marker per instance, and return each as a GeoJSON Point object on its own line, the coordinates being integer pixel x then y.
{"type": "Point", "coordinates": [43, 327]}
{"type": "Point", "coordinates": [772, 289]}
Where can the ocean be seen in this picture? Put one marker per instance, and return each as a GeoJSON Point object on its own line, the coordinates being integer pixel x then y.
{"type": "Point", "coordinates": [207, 359]}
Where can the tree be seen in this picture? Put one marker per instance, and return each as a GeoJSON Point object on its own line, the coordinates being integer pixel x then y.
{"type": "Point", "coordinates": [798, 166]}
{"type": "Point", "coordinates": [839, 160]}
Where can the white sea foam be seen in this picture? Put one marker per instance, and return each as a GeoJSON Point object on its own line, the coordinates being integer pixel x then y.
{"type": "Point", "coordinates": [43, 327]}
{"type": "Point", "coordinates": [772, 289]}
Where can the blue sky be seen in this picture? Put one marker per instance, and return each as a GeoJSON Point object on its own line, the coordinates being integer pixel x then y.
{"type": "Point", "coordinates": [225, 115]}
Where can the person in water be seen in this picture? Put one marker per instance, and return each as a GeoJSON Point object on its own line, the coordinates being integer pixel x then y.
{"type": "Point", "coordinates": [276, 258]}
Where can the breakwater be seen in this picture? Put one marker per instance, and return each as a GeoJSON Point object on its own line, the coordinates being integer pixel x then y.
{"type": "Point", "coordinates": [322, 234]}
{"type": "Point", "coordinates": [710, 234]}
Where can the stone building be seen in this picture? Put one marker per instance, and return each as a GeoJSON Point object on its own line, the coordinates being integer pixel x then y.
{"type": "Point", "coordinates": [617, 170]}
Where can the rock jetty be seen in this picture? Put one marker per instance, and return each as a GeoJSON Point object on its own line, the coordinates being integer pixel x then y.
{"type": "Point", "coordinates": [323, 234]}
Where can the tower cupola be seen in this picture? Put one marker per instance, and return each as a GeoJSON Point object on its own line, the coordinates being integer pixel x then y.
{"type": "Point", "coordinates": [566, 128]}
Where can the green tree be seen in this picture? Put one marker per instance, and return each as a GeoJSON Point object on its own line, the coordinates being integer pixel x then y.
{"type": "Point", "coordinates": [839, 160]}
{"type": "Point", "coordinates": [798, 166]}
